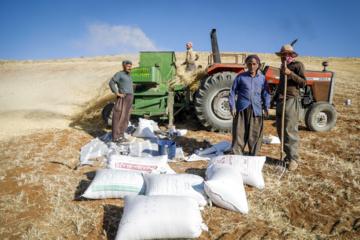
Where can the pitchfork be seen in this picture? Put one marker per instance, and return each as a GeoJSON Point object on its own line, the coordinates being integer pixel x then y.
{"type": "Point", "coordinates": [281, 165]}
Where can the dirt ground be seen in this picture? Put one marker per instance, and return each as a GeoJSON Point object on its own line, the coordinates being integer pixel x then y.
{"type": "Point", "coordinates": [40, 145]}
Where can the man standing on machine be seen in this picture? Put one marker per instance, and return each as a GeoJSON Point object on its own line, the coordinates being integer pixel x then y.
{"type": "Point", "coordinates": [124, 101]}
{"type": "Point", "coordinates": [191, 57]}
{"type": "Point", "coordinates": [295, 72]}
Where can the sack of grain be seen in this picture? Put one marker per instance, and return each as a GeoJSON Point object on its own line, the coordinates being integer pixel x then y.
{"type": "Point", "coordinates": [141, 164]}
{"type": "Point", "coordinates": [145, 129]}
{"type": "Point", "coordinates": [177, 185]}
{"type": "Point", "coordinates": [224, 186]}
{"type": "Point", "coordinates": [111, 183]}
{"type": "Point", "coordinates": [249, 167]}
{"type": "Point", "coordinates": [160, 217]}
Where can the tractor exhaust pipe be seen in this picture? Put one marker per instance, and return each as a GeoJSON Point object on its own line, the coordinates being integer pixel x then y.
{"type": "Point", "coordinates": [215, 46]}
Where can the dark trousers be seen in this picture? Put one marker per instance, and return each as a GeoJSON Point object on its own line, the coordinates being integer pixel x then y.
{"type": "Point", "coordinates": [291, 126]}
{"type": "Point", "coordinates": [247, 129]}
{"type": "Point", "coordinates": [121, 116]}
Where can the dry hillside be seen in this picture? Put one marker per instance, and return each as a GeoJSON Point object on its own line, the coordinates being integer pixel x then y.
{"type": "Point", "coordinates": [40, 105]}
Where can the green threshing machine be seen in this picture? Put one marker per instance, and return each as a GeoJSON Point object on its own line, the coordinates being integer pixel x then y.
{"type": "Point", "coordinates": [153, 95]}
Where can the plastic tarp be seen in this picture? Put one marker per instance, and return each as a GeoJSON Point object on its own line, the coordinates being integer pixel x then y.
{"type": "Point", "coordinates": [137, 147]}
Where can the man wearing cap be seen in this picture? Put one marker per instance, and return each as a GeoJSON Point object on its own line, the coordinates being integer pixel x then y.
{"type": "Point", "coordinates": [191, 57]}
{"type": "Point", "coordinates": [295, 72]}
{"type": "Point", "coordinates": [251, 89]}
{"type": "Point", "coordinates": [124, 101]}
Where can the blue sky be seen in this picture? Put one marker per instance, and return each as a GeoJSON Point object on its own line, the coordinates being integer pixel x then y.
{"type": "Point", "coordinates": [51, 29]}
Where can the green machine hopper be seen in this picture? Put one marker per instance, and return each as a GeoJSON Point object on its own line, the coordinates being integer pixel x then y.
{"type": "Point", "coordinates": [153, 95]}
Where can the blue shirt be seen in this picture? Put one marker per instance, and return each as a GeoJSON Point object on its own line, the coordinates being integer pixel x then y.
{"type": "Point", "coordinates": [250, 90]}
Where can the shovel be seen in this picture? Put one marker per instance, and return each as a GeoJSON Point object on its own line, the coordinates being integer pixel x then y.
{"type": "Point", "coordinates": [281, 165]}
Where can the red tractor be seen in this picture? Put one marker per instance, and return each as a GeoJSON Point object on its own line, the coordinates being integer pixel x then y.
{"type": "Point", "coordinates": [211, 99]}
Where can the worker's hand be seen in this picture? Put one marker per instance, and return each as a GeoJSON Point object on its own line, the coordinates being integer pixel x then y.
{"type": "Point", "coordinates": [286, 71]}
{"type": "Point", "coordinates": [233, 113]}
{"type": "Point", "coordinates": [266, 114]}
{"type": "Point", "coordinates": [121, 95]}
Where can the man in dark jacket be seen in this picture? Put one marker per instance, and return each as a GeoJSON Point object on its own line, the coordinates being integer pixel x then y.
{"type": "Point", "coordinates": [124, 101]}
{"type": "Point", "coordinates": [295, 72]}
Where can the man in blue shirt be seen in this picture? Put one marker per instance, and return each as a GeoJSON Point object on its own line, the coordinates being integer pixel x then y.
{"type": "Point", "coordinates": [251, 89]}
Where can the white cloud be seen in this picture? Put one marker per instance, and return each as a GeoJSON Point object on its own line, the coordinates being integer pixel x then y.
{"type": "Point", "coordinates": [105, 40]}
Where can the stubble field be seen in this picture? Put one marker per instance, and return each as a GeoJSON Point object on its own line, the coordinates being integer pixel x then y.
{"type": "Point", "coordinates": [41, 135]}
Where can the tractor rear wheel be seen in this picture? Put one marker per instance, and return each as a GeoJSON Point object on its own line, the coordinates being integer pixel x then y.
{"type": "Point", "coordinates": [321, 117]}
{"type": "Point", "coordinates": [107, 113]}
{"type": "Point", "coordinates": [212, 103]}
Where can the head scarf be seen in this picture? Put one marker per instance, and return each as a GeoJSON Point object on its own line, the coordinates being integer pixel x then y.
{"type": "Point", "coordinates": [289, 59]}
{"type": "Point", "coordinates": [255, 57]}
{"type": "Point", "coordinates": [190, 44]}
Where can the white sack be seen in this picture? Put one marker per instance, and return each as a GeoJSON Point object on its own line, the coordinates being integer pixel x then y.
{"type": "Point", "coordinates": [112, 183]}
{"type": "Point", "coordinates": [271, 139]}
{"type": "Point", "coordinates": [147, 164]}
{"type": "Point", "coordinates": [224, 186]}
{"type": "Point", "coordinates": [160, 217]}
{"type": "Point", "coordinates": [194, 157]}
{"type": "Point", "coordinates": [177, 185]}
{"type": "Point", "coordinates": [96, 148]}
{"type": "Point", "coordinates": [181, 132]}
{"type": "Point", "coordinates": [249, 167]}
{"type": "Point", "coordinates": [219, 147]}
{"type": "Point", "coordinates": [145, 129]}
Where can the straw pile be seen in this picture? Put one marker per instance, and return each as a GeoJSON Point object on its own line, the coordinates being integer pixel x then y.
{"type": "Point", "coordinates": [191, 79]}
{"type": "Point", "coordinates": [89, 115]}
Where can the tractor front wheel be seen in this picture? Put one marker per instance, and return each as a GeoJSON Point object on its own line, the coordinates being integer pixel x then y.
{"type": "Point", "coordinates": [212, 104]}
{"type": "Point", "coordinates": [321, 117]}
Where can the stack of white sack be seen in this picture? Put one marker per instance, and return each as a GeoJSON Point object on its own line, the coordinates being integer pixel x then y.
{"type": "Point", "coordinates": [124, 176]}
{"type": "Point", "coordinates": [160, 217]}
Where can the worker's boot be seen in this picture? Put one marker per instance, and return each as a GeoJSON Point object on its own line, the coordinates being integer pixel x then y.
{"type": "Point", "coordinates": [293, 165]}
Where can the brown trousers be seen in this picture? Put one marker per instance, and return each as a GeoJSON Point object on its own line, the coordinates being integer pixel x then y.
{"type": "Point", "coordinates": [291, 125]}
{"type": "Point", "coordinates": [247, 129]}
{"type": "Point", "coordinates": [121, 116]}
